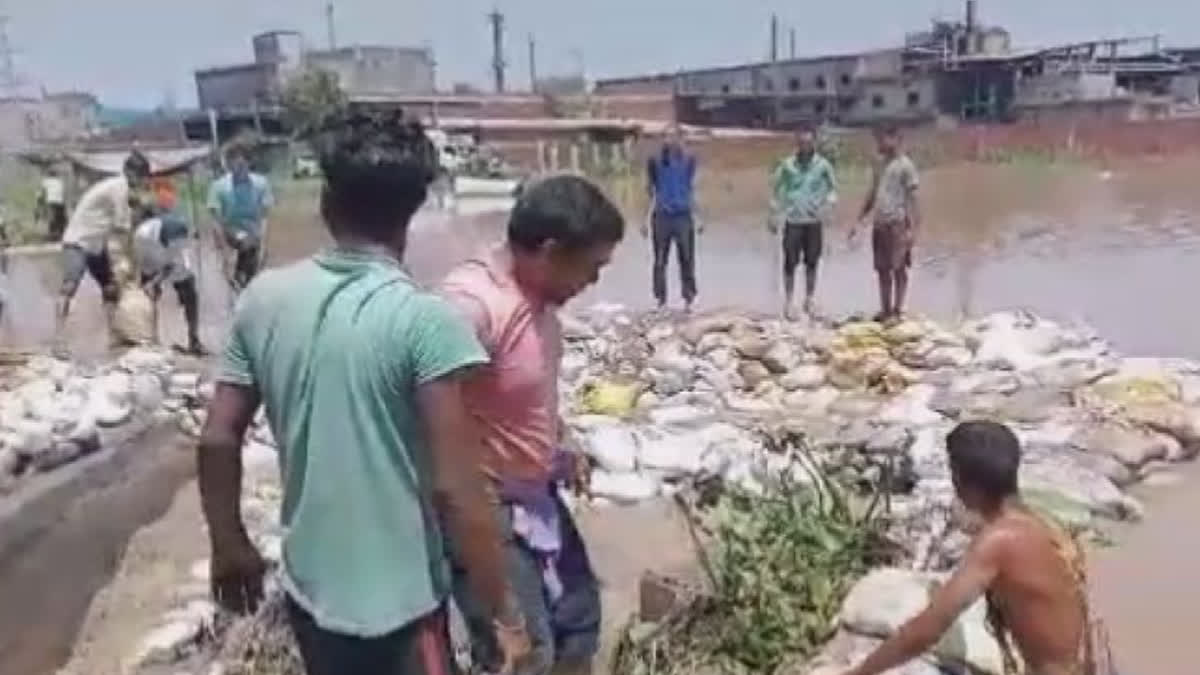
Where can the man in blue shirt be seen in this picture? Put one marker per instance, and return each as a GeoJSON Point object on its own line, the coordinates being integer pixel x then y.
{"type": "Point", "coordinates": [239, 201]}
{"type": "Point", "coordinates": [671, 175]}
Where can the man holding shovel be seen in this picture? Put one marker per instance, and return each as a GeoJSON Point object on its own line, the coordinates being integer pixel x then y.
{"type": "Point", "coordinates": [239, 202]}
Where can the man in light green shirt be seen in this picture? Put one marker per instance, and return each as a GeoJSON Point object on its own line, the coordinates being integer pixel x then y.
{"type": "Point", "coordinates": [803, 191]}
{"type": "Point", "coordinates": [359, 371]}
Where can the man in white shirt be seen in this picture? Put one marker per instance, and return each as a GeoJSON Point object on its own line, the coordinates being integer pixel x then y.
{"type": "Point", "coordinates": [161, 247]}
{"type": "Point", "coordinates": [98, 238]}
{"type": "Point", "coordinates": [52, 204]}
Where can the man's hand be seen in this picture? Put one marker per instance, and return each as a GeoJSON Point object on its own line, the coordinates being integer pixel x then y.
{"type": "Point", "coordinates": [772, 224]}
{"type": "Point", "coordinates": [236, 569]}
{"type": "Point", "coordinates": [581, 473]}
{"type": "Point", "coordinates": [236, 575]}
{"type": "Point", "coordinates": [514, 644]}
{"type": "Point", "coordinates": [699, 226]}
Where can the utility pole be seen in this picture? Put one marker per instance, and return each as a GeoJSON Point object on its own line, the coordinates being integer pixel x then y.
{"type": "Point", "coordinates": [10, 80]}
{"type": "Point", "coordinates": [533, 80]}
{"type": "Point", "coordinates": [498, 64]}
{"type": "Point", "coordinates": [774, 37]}
{"type": "Point", "coordinates": [329, 26]}
{"type": "Point", "coordinates": [792, 43]}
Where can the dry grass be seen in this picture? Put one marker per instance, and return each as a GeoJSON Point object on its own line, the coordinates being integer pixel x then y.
{"type": "Point", "coordinates": [262, 644]}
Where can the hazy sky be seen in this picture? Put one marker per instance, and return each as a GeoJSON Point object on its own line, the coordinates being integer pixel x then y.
{"type": "Point", "coordinates": [131, 52]}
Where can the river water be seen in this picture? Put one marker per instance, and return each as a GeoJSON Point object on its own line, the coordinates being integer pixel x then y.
{"type": "Point", "coordinates": [1117, 248]}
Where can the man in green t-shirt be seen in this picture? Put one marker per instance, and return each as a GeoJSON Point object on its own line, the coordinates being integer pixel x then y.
{"type": "Point", "coordinates": [803, 192]}
{"type": "Point", "coordinates": [360, 373]}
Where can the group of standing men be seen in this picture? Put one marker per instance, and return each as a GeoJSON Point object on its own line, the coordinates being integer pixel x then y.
{"type": "Point", "coordinates": [127, 230]}
{"type": "Point", "coordinates": [404, 413]}
{"type": "Point", "coordinates": [803, 194]}
{"type": "Point", "coordinates": [422, 451]}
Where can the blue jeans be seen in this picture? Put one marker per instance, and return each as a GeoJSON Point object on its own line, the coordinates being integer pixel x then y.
{"type": "Point", "coordinates": [679, 229]}
{"type": "Point", "coordinates": [564, 632]}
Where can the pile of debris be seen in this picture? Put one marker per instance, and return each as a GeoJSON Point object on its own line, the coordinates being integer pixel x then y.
{"type": "Point", "coordinates": [55, 412]}
{"type": "Point", "coordinates": [661, 406]}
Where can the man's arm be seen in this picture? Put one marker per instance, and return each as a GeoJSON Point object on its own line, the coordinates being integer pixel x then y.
{"type": "Point", "coordinates": [869, 202]}
{"type": "Point", "coordinates": [651, 177]}
{"type": "Point", "coordinates": [912, 200]}
{"type": "Point", "coordinates": [267, 197]}
{"type": "Point", "coordinates": [919, 634]}
{"type": "Point", "coordinates": [236, 566]}
{"type": "Point", "coordinates": [461, 491]}
{"type": "Point", "coordinates": [213, 202]}
{"type": "Point", "coordinates": [119, 242]}
{"type": "Point", "coordinates": [219, 461]}
{"type": "Point", "coordinates": [446, 350]}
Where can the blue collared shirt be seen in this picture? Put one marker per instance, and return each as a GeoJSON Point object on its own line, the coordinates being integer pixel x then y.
{"type": "Point", "coordinates": [671, 175]}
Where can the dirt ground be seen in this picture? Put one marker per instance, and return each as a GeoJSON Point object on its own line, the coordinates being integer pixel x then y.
{"type": "Point", "coordinates": [1116, 247]}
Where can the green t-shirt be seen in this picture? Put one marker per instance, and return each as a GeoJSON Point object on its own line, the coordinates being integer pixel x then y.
{"type": "Point", "coordinates": [337, 345]}
{"type": "Point", "coordinates": [803, 192]}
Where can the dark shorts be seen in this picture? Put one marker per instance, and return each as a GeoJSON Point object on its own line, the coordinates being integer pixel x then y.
{"type": "Point", "coordinates": [247, 252]}
{"type": "Point", "coordinates": [185, 290]}
{"type": "Point", "coordinates": [58, 221]}
{"type": "Point", "coordinates": [76, 261]}
{"type": "Point", "coordinates": [801, 241]}
{"type": "Point", "coordinates": [420, 648]}
{"type": "Point", "coordinates": [891, 244]}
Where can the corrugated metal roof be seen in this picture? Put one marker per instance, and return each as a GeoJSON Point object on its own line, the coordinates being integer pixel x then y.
{"type": "Point", "coordinates": [161, 161]}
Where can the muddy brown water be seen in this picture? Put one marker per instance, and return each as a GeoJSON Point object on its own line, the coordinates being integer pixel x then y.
{"type": "Point", "coordinates": [1116, 248]}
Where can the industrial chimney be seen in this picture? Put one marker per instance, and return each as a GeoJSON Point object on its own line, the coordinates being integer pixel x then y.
{"type": "Point", "coordinates": [972, 16]}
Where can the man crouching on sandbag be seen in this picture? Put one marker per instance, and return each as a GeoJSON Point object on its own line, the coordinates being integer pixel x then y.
{"type": "Point", "coordinates": [98, 240]}
{"type": "Point", "coordinates": [161, 245]}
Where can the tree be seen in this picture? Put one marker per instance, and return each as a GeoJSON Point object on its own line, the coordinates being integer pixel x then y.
{"type": "Point", "coordinates": [311, 97]}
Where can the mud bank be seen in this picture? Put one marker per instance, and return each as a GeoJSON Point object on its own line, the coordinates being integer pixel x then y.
{"type": "Point", "coordinates": [62, 538]}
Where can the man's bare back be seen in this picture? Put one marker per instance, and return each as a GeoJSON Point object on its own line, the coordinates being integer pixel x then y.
{"type": "Point", "coordinates": [1038, 591]}
{"type": "Point", "coordinates": [1031, 572]}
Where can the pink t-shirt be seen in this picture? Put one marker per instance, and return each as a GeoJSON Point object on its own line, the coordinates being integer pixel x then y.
{"type": "Point", "coordinates": [515, 398]}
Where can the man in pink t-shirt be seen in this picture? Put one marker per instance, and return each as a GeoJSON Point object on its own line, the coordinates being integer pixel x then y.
{"type": "Point", "coordinates": [561, 232]}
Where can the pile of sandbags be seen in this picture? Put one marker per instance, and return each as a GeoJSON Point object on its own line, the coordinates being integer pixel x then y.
{"type": "Point", "coordinates": [57, 412]}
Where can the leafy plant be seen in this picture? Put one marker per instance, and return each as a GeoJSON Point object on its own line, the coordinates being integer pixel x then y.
{"type": "Point", "coordinates": [783, 562]}
{"type": "Point", "coordinates": [311, 97]}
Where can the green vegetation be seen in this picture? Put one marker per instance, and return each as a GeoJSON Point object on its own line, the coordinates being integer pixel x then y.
{"type": "Point", "coordinates": [310, 98]}
{"type": "Point", "coordinates": [783, 562]}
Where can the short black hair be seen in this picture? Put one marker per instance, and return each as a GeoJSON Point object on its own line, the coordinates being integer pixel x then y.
{"type": "Point", "coordinates": [238, 147]}
{"type": "Point", "coordinates": [985, 456]}
{"type": "Point", "coordinates": [567, 209]}
{"type": "Point", "coordinates": [376, 167]}
{"type": "Point", "coordinates": [137, 164]}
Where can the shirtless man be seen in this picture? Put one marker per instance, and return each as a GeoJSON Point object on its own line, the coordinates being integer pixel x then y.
{"type": "Point", "coordinates": [1030, 572]}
